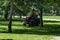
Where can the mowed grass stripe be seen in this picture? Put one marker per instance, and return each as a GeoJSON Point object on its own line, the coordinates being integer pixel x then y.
{"type": "Point", "coordinates": [21, 32]}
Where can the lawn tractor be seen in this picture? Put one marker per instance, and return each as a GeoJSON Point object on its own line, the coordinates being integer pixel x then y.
{"type": "Point", "coordinates": [33, 19]}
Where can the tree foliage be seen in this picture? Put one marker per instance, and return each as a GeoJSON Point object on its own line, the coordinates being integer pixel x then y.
{"type": "Point", "coordinates": [24, 6]}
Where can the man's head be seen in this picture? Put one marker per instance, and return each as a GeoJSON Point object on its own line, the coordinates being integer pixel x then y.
{"type": "Point", "coordinates": [34, 12]}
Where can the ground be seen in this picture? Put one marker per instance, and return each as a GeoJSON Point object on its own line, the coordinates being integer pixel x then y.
{"type": "Point", "coordinates": [55, 38]}
{"type": "Point", "coordinates": [50, 30]}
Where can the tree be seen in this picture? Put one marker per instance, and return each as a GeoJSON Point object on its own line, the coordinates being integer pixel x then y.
{"type": "Point", "coordinates": [25, 5]}
{"type": "Point", "coordinates": [6, 10]}
{"type": "Point", "coordinates": [10, 19]}
{"type": "Point", "coordinates": [29, 3]}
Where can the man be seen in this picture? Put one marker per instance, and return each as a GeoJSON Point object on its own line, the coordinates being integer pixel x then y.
{"type": "Point", "coordinates": [33, 20]}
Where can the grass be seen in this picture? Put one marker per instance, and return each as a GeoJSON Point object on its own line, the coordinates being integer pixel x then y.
{"type": "Point", "coordinates": [51, 17]}
{"type": "Point", "coordinates": [20, 32]}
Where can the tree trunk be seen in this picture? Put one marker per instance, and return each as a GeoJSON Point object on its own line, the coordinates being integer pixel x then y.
{"type": "Point", "coordinates": [41, 18]}
{"type": "Point", "coordinates": [6, 15]}
{"type": "Point", "coordinates": [41, 10]}
{"type": "Point", "coordinates": [10, 19]}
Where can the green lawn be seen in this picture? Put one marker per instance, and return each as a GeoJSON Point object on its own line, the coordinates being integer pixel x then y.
{"type": "Point", "coordinates": [20, 32]}
{"type": "Point", "coordinates": [51, 17]}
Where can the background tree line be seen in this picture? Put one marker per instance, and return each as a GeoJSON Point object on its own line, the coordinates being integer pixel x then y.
{"type": "Point", "coordinates": [24, 6]}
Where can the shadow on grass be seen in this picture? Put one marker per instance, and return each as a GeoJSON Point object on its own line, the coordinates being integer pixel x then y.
{"type": "Point", "coordinates": [3, 30]}
{"type": "Point", "coordinates": [50, 21]}
{"type": "Point", "coordinates": [48, 29]}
